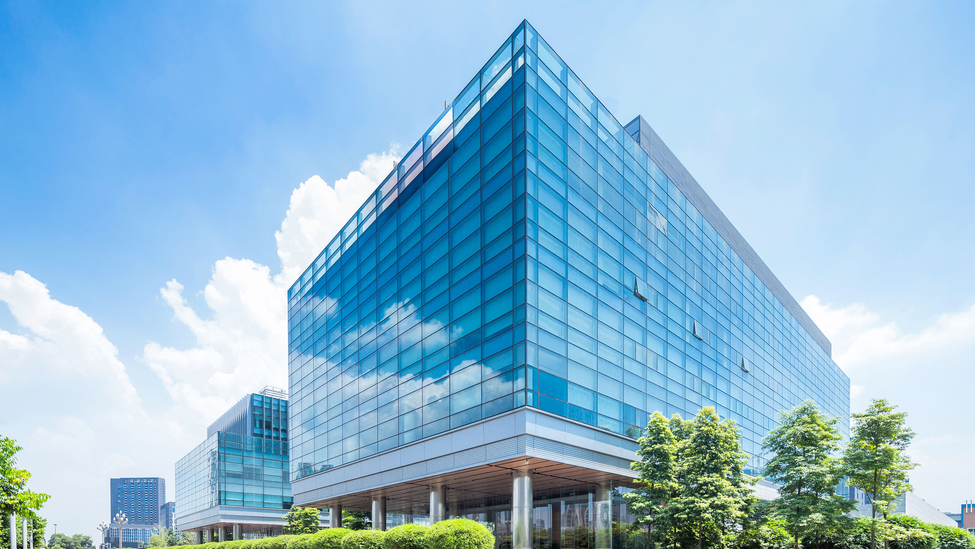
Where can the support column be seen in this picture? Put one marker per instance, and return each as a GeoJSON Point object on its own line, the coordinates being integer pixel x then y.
{"type": "Point", "coordinates": [379, 513]}
{"type": "Point", "coordinates": [556, 539]}
{"type": "Point", "coordinates": [438, 504]}
{"type": "Point", "coordinates": [237, 535]}
{"type": "Point", "coordinates": [221, 534]}
{"type": "Point", "coordinates": [335, 516]}
{"type": "Point", "coordinates": [603, 523]}
{"type": "Point", "coordinates": [522, 503]}
{"type": "Point", "coordinates": [206, 536]}
{"type": "Point", "coordinates": [198, 537]}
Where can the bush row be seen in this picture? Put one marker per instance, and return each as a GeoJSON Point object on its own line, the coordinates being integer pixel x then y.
{"type": "Point", "coordinates": [448, 534]}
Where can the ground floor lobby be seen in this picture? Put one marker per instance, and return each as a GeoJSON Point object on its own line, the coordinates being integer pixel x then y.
{"type": "Point", "coordinates": [527, 502]}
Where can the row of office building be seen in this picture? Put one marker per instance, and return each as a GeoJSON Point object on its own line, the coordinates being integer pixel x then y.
{"type": "Point", "coordinates": [488, 333]}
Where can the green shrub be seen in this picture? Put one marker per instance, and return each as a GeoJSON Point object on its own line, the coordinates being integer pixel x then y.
{"type": "Point", "coordinates": [329, 538]}
{"type": "Point", "coordinates": [950, 537]}
{"type": "Point", "coordinates": [458, 534]}
{"type": "Point", "coordinates": [276, 542]}
{"type": "Point", "coordinates": [364, 539]}
{"type": "Point", "coordinates": [407, 536]}
{"type": "Point", "coordinates": [301, 541]}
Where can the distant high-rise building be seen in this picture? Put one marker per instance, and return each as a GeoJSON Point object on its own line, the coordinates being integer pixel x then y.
{"type": "Point", "coordinates": [167, 515]}
{"type": "Point", "coordinates": [235, 485]}
{"type": "Point", "coordinates": [141, 500]}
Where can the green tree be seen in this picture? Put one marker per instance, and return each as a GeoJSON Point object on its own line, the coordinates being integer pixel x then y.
{"type": "Point", "coordinates": [713, 494]}
{"type": "Point", "coordinates": [802, 460]}
{"type": "Point", "coordinates": [167, 537]}
{"type": "Point", "coordinates": [175, 537]}
{"type": "Point", "coordinates": [356, 520]}
{"type": "Point", "coordinates": [14, 495]}
{"type": "Point", "coordinates": [761, 530]}
{"type": "Point", "coordinates": [874, 460]}
{"type": "Point", "coordinates": [677, 532]}
{"type": "Point", "coordinates": [35, 531]}
{"type": "Point", "coordinates": [657, 469]}
{"type": "Point", "coordinates": [302, 520]}
{"type": "Point", "coordinates": [63, 541]}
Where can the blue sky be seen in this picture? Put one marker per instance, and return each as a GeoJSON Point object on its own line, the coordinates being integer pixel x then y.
{"type": "Point", "coordinates": [149, 154]}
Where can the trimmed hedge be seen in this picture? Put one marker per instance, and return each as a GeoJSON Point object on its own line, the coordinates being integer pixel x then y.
{"type": "Point", "coordinates": [364, 539]}
{"type": "Point", "coordinates": [406, 536]}
{"type": "Point", "coordinates": [277, 542]}
{"type": "Point", "coordinates": [297, 541]}
{"type": "Point", "coordinates": [329, 538]}
{"type": "Point", "coordinates": [458, 533]}
{"type": "Point", "coordinates": [448, 534]}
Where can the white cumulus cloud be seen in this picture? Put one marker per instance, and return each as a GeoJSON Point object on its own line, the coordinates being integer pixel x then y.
{"type": "Point", "coordinates": [69, 401]}
{"type": "Point", "coordinates": [241, 341]}
{"type": "Point", "coordinates": [318, 210]}
{"type": "Point", "coordinates": [928, 373]}
{"type": "Point", "coordinates": [859, 337]}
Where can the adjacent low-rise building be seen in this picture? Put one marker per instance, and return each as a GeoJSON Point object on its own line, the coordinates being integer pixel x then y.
{"type": "Point", "coordinates": [133, 534]}
{"type": "Point", "coordinates": [912, 505]}
{"type": "Point", "coordinates": [966, 517]}
{"type": "Point", "coordinates": [235, 484]}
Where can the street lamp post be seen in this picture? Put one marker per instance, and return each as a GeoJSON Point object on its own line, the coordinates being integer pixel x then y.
{"type": "Point", "coordinates": [120, 519]}
{"type": "Point", "coordinates": [101, 528]}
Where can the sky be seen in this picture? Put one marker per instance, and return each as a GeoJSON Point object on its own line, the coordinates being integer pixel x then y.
{"type": "Point", "coordinates": [167, 169]}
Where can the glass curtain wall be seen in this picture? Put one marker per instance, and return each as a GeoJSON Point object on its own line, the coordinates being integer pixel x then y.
{"type": "Point", "coordinates": [230, 469]}
{"type": "Point", "coordinates": [412, 321]}
{"type": "Point", "coordinates": [633, 296]}
{"type": "Point", "coordinates": [525, 241]}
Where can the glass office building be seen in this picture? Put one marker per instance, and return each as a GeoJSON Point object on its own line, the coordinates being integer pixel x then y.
{"type": "Point", "coordinates": [133, 535]}
{"type": "Point", "coordinates": [488, 334]}
{"type": "Point", "coordinates": [141, 499]}
{"type": "Point", "coordinates": [235, 484]}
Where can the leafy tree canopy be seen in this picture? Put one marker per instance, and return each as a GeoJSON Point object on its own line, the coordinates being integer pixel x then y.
{"type": "Point", "coordinates": [874, 460]}
{"type": "Point", "coordinates": [356, 520]}
{"type": "Point", "coordinates": [63, 541]}
{"type": "Point", "coordinates": [302, 520]}
{"type": "Point", "coordinates": [802, 460]}
{"type": "Point", "coordinates": [692, 487]}
{"type": "Point", "coordinates": [14, 495]}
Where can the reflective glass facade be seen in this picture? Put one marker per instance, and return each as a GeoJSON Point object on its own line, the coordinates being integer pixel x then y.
{"type": "Point", "coordinates": [140, 498]}
{"type": "Point", "coordinates": [528, 252]}
{"type": "Point", "coordinates": [133, 535]}
{"type": "Point", "coordinates": [236, 469]}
